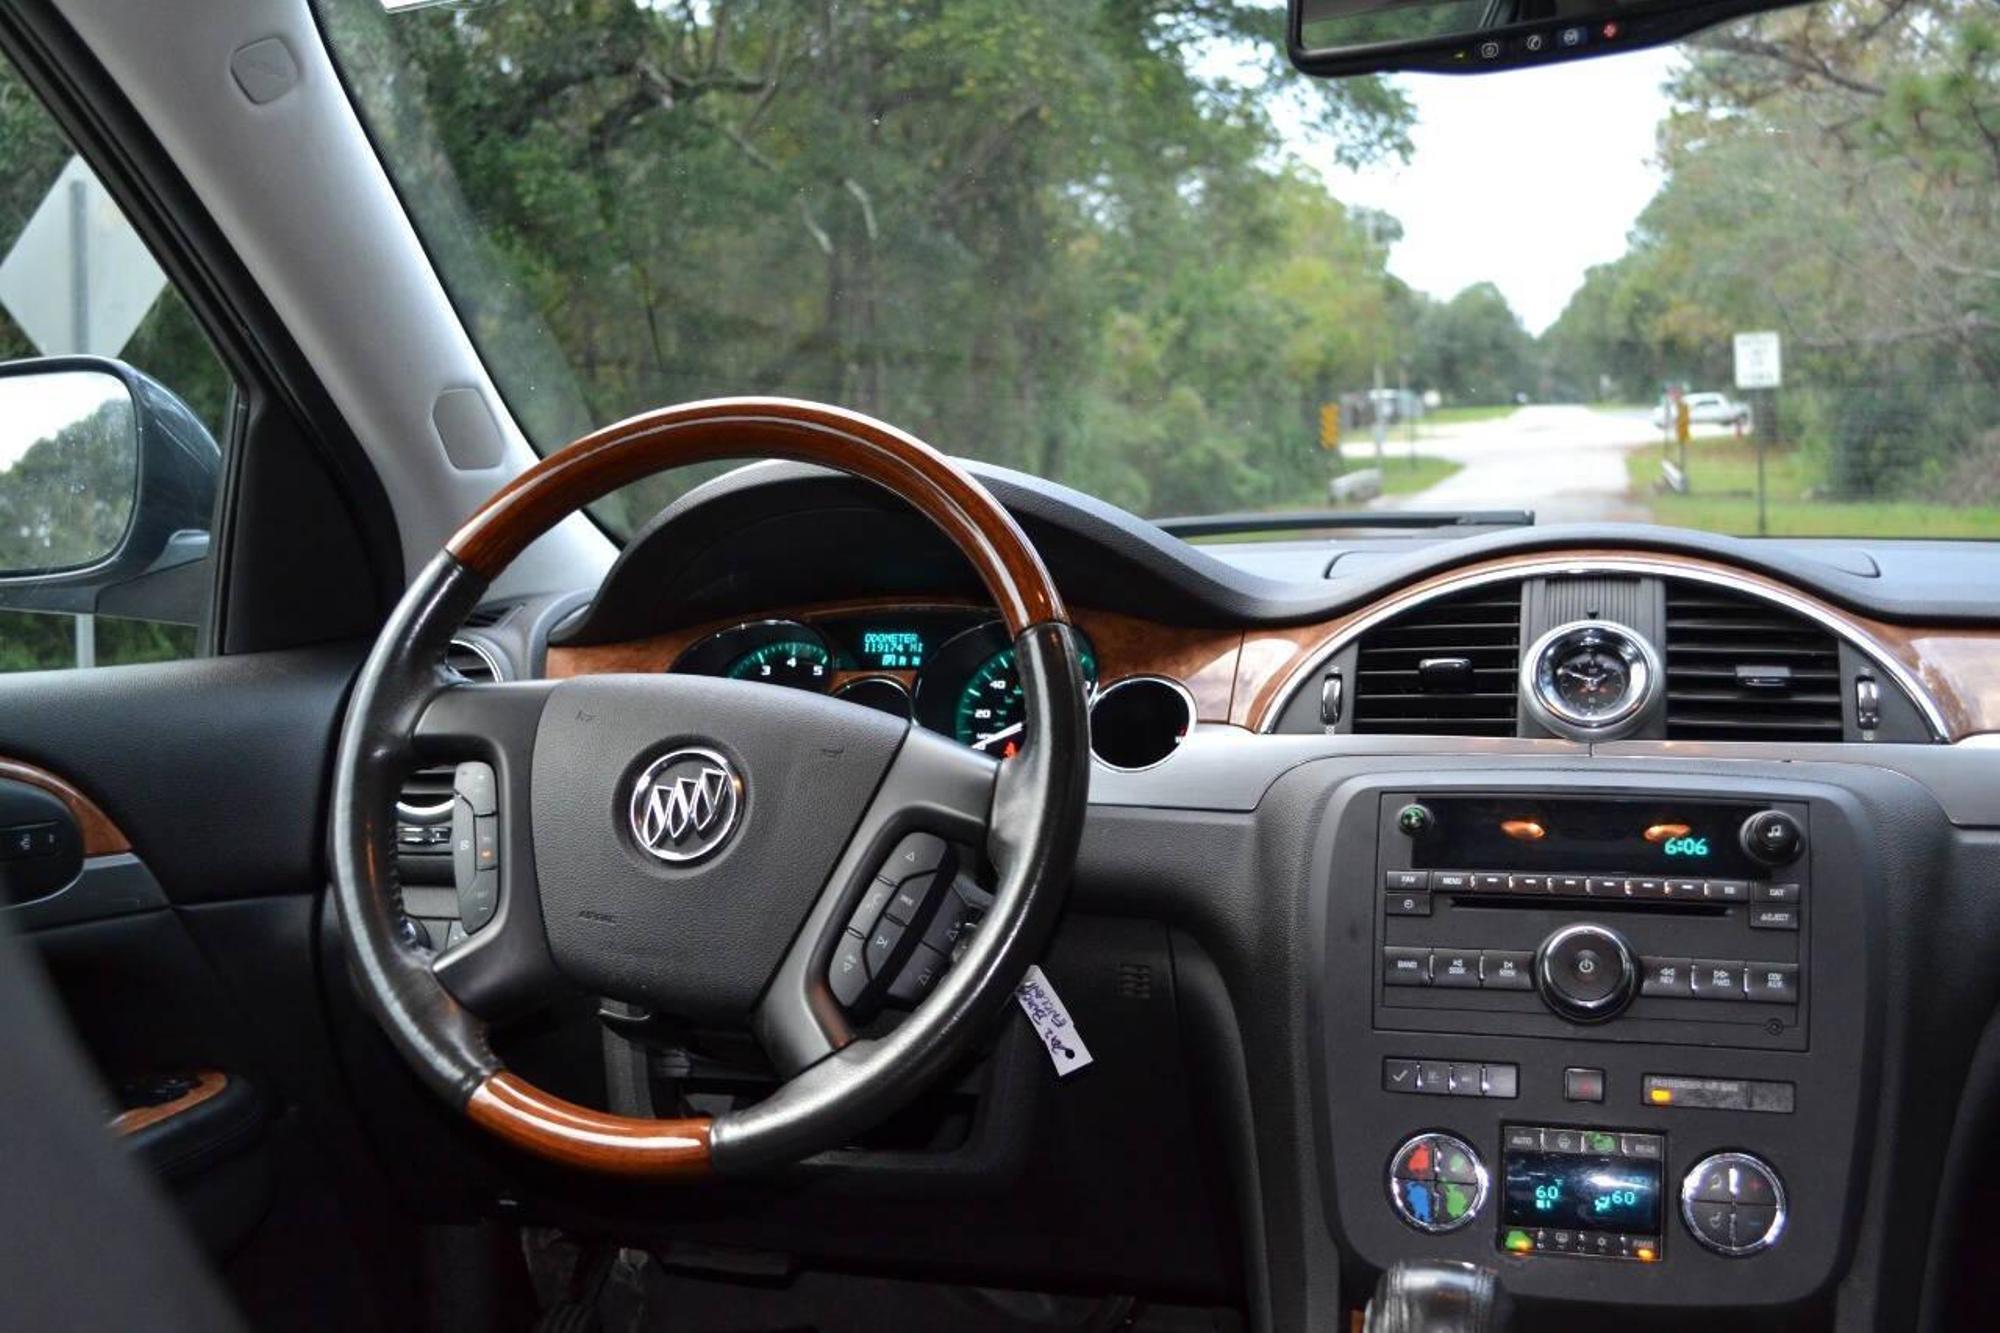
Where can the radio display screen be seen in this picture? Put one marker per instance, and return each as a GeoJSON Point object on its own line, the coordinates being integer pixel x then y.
{"type": "Point", "coordinates": [1581, 1191]}
{"type": "Point", "coordinates": [1695, 839]}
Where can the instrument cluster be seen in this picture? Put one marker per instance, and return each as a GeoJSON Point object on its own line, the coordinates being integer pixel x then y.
{"type": "Point", "coordinates": [950, 669]}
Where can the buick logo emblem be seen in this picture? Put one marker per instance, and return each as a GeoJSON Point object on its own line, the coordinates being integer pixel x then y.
{"type": "Point", "coordinates": [685, 805]}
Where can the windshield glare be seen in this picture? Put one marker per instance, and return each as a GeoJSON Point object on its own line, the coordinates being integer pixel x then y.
{"type": "Point", "coordinates": [1749, 284]}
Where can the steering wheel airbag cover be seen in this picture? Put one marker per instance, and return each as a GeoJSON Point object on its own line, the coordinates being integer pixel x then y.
{"type": "Point", "coordinates": [697, 941]}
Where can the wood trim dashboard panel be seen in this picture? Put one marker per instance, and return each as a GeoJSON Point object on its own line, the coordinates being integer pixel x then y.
{"type": "Point", "coordinates": [101, 837]}
{"type": "Point", "coordinates": [1242, 677]}
{"type": "Point", "coordinates": [207, 1083]}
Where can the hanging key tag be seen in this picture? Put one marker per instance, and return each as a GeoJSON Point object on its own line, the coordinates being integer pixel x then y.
{"type": "Point", "coordinates": [1052, 1023]}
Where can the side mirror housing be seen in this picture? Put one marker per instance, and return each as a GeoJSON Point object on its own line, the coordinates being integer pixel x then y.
{"type": "Point", "coordinates": [107, 492]}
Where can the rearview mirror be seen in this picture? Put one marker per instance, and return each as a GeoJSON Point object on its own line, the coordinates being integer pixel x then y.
{"type": "Point", "coordinates": [1345, 37]}
{"type": "Point", "coordinates": [107, 487]}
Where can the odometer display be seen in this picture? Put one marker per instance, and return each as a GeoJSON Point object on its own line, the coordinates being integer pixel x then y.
{"type": "Point", "coordinates": [798, 664]}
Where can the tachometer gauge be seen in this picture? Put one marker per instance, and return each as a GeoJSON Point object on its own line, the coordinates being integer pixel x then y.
{"type": "Point", "coordinates": [799, 664]}
{"type": "Point", "coordinates": [972, 691]}
{"type": "Point", "coordinates": [772, 652]}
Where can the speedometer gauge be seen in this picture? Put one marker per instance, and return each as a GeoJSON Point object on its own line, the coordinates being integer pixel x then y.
{"type": "Point", "coordinates": [972, 691]}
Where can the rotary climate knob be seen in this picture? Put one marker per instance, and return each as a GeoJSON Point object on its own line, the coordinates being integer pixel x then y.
{"type": "Point", "coordinates": [1734, 1203]}
{"type": "Point", "coordinates": [1586, 973]}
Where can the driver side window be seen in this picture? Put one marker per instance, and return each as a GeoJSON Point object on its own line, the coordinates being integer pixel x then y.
{"type": "Point", "coordinates": [112, 400]}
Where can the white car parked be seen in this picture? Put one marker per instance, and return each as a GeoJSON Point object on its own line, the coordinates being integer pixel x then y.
{"type": "Point", "coordinates": [1708, 409]}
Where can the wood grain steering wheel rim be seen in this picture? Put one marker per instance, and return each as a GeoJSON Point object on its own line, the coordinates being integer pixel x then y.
{"type": "Point", "coordinates": [405, 710]}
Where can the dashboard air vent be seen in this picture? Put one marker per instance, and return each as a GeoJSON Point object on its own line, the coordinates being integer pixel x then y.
{"type": "Point", "coordinates": [1743, 669]}
{"type": "Point", "coordinates": [485, 617]}
{"type": "Point", "coordinates": [1445, 668]}
{"type": "Point", "coordinates": [475, 661]}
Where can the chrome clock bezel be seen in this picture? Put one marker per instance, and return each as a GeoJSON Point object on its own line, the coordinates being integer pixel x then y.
{"type": "Point", "coordinates": [1645, 679]}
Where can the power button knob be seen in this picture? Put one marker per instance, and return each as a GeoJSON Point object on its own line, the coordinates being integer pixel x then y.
{"type": "Point", "coordinates": [1586, 973]}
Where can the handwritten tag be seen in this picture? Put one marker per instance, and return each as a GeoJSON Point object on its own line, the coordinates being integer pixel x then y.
{"type": "Point", "coordinates": [1052, 1023]}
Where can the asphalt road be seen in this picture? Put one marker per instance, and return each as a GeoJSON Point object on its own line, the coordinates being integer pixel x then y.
{"type": "Point", "coordinates": [1565, 462]}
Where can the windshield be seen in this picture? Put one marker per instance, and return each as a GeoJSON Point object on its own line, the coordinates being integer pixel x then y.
{"type": "Point", "coordinates": [1749, 284]}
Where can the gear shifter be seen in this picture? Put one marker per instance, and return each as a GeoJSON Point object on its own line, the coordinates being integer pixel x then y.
{"type": "Point", "coordinates": [1440, 1297]}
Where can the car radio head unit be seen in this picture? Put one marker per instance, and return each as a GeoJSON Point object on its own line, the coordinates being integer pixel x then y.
{"type": "Point", "coordinates": [1625, 836]}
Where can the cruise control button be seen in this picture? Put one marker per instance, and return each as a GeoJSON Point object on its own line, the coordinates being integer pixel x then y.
{"type": "Point", "coordinates": [1774, 983]}
{"type": "Point", "coordinates": [1506, 969]}
{"type": "Point", "coordinates": [1455, 967]}
{"type": "Point", "coordinates": [1717, 980]}
{"type": "Point", "coordinates": [1774, 918]}
{"type": "Point", "coordinates": [918, 975]}
{"type": "Point", "coordinates": [1406, 967]}
{"type": "Point", "coordinates": [485, 842]}
{"type": "Point", "coordinates": [1664, 976]}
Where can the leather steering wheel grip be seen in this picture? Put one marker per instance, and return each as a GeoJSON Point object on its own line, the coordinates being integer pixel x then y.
{"type": "Point", "coordinates": [1036, 822]}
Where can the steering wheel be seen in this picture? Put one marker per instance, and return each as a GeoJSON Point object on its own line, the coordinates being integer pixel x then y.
{"type": "Point", "coordinates": [799, 799]}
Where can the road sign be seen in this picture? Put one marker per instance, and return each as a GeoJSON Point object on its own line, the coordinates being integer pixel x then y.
{"type": "Point", "coordinates": [1758, 362]}
{"type": "Point", "coordinates": [79, 279]}
{"type": "Point", "coordinates": [1329, 425]}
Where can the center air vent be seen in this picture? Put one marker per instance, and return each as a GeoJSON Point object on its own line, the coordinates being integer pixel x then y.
{"type": "Point", "coordinates": [1743, 669]}
{"type": "Point", "coordinates": [1445, 668]}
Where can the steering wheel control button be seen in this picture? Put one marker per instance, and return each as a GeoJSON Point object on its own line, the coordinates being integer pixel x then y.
{"type": "Point", "coordinates": [1586, 973]}
{"type": "Point", "coordinates": [881, 948]}
{"type": "Point", "coordinates": [916, 854]}
{"type": "Point", "coordinates": [873, 899]}
{"type": "Point", "coordinates": [847, 974]}
{"type": "Point", "coordinates": [1773, 838]}
{"type": "Point", "coordinates": [1583, 1085]}
{"type": "Point", "coordinates": [475, 783]}
{"type": "Point", "coordinates": [918, 975]}
{"type": "Point", "coordinates": [1733, 1203]}
{"type": "Point", "coordinates": [1436, 1183]}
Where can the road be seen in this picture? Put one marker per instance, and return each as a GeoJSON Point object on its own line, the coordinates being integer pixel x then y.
{"type": "Point", "coordinates": [1565, 462]}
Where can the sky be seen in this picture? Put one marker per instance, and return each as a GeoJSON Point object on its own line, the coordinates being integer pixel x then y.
{"type": "Point", "coordinates": [1523, 179]}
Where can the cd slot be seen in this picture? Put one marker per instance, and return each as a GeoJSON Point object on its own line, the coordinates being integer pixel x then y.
{"type": "Point", "coordinates": [1606, 906]}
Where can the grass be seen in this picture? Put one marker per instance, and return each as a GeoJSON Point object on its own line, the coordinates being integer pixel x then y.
{"type": "Point", "coordinates": [1407, 475]}
{"type": "Point", "coordinates": [1453, 416]}
{"type": "Point", "coordinates": [1722, 497]}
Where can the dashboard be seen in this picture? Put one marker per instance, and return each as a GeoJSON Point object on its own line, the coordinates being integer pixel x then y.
{"type": "Point", "coordinates": [1607, 905]}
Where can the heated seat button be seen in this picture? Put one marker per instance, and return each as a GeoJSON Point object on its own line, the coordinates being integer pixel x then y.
{"type": "Point", "coordinates": [1753, 1224]}
{"type": "Point", "coordinates": [1713, 1222]}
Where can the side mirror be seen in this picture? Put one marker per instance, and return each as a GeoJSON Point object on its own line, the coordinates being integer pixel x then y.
{"type": "Point", "coordinates": [107, 489]}
{"type": "Point", "coordinates": [1346, 37]}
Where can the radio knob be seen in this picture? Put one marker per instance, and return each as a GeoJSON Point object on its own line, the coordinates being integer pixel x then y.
{"type": "Point", "coordinates": [1733, 1203]}
{"type": "Point", "coordinates": [1773, 838]}
{"type": "Point", "coordinates": [1586, 973]}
